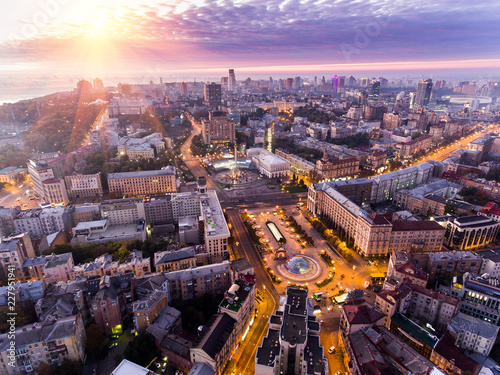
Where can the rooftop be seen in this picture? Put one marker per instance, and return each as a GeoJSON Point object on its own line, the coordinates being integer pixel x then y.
{"type": "Point", "coordinates": [154, 173]}
{"type": "Point", "coordinates": [413, 329]}
{"type": "Point", "coordinates": [415, 226]}
{"type": "Point", "coordinates": [130, 368]}
{"type": "Point", "coordinates": [215, 334]}
{"type": "Point", "coordinates": [447, 349]}
{"type": "Point", "coordinates": [361, 312]}
{"type": "Point", "coordinates": [476, 326]}
{"type": "Point", "coordinates": [269, 349]}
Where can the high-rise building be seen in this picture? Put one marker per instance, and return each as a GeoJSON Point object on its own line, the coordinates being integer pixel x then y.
{"type": "Point", "coordinates": [213, 94]}
{"type": "Point", "coordinates": [351, 81]}
{"type": "Point", "coordinates": [373, 90]}
{"type": "Point", "coordinates": [440, 84]}
{"type": "Point", "coordinates": [335, 84]}
{"type": "Point", "coordinates": [98, 84]}
{"type": "Point", "coordinates": [231, 83]}
{"type": "Point", "coordinates": [297, 83]}
{"type": "Point", "coordinates": [423, 94]}
{"type": "Point", "coordinates": [289, 84]}
{"type": "Point", "coordinates": [292, 344]}
{"type": "Point", "coordinates": [83, 87]}
{"type": "Point", "coordinates": [218, 128]}
{"type": "Point", "coordinates": [184, 88]}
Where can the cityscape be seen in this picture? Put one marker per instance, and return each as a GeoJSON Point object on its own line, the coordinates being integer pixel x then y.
{"type": "Point", "coordinates": [235, 188]}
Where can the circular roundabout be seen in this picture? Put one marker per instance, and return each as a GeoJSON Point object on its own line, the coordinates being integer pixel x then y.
{"type": "Point", "coordinates": [300, 268]}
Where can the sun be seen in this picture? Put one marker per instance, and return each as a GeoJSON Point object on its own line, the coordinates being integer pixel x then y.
{"type": "Point", "coordinates": [97, 27]}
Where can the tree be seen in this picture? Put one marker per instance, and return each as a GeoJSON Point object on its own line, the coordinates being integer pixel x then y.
{"type": "Point", "coordinates": [96, 341]}
{"type": "Point", "coordinates": [69, 367]}
{"type": "Point", "coordinates": [141, 350]}
{"type": "Point", "coordinates": [44, 369]}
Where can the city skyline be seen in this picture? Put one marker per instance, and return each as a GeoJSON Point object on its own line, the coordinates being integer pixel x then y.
{"type": "Point", "coordinates": [202, 38]}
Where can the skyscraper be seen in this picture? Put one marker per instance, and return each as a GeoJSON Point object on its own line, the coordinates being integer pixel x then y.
{"type": "Point", "coordinates": [289, 84]}
{"type": "Point", "coordinates": [184, 88]}
{"type": "Point", "coordinates": [231, 83]}
{"type": "Point", "coordinates": [335, 84]}
{"type": "Point", "coordinates": [213, 94]}
{"type": "Point", "coordinates": [423, 94]}
{"type": "Point", "coordinates": [373, 90]}
{"type": "Point", "coordinates": [98, 84]}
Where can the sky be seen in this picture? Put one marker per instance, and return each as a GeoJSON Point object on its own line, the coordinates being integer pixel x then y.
{"type": "Point", "coordinates": [196, 38]}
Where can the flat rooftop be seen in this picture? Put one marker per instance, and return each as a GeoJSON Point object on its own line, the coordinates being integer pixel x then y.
{"type": "Point", "coordinates": [138, 174]}
{"type": "Point", "coordinates": [270, 348]}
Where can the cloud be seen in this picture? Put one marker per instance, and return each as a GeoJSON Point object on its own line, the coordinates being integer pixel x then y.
{"type": "Point", "coordinates": [191, 34]}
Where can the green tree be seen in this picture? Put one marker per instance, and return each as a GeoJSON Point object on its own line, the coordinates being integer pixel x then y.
{"type": "Point", "coordinates": [141, 350]}
{"type": "Point", "coordinates": [69, 367]}
{"type": "Point", "coordinates": [96, 341]}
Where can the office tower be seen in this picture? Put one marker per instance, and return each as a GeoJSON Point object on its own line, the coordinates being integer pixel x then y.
{"type": "Point", "coordinates": [98, 84]}
{"type": "Point", "coordinates": [83, 87]}
{"type": "Point", "coordinates": [231, 83]}
{"type": "Point", "coordinates": [315, 80]}
{"type": "Point", "coordinates": [341, 86]}
{"type": "Point", "coordinates": [289, 84]}
{"type": "Point", "coordinates": [298, 83]}
{"type": "Point", "coordinates": [224, 82]}
{"type": "Point", "coordinates": [423, 94]}
{"type": "Point", "coordinates": [440, 84]}
{"type": "Point", "coordinates": [218, 128]}
{"type": "Point", "coordinates": [184, 88]}
{"type": "Point", "coordinates": [281, 85]}
{"type": "Point", "coordinates": [271, 82]}
{"type": "Point", "coordinates": [323, 80]}
{"type": "Point", "coordinates": [373, 90]}
{"type": "Point", "coordinates": [213, 94]}
{"type": "Point", "coordinates": [335, 84]}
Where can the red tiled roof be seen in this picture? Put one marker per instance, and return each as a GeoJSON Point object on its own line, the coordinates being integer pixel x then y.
{"type": "Point", "coordinates": [378, 219]}
{"type": "Point", "coordinates": [362, 313]}
{"type": "Point", "coordinates": [436, 295]}
{"type": "Point", "coordinates": [412, 270]}
{"type": "Point", "coordinates": [490, 208]}
{"type": "Point", "coordinates": [447, 349]}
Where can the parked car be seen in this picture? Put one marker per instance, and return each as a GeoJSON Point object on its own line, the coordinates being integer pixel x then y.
{"type": "Point", "coordinates": [331, 350]}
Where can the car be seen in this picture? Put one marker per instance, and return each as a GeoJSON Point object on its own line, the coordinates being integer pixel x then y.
{"type": "Point", "coordinates": [113, 345]}
{"type": "Point", "coordinates": [331, 350]}
{"type": "Point", "coordinates": [157, 365]}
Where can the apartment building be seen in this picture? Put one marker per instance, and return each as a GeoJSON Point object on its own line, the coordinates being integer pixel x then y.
{"type": "Point", "coordinates": [107, 307]}
{"type": "Point", "coordinates": [13, 252]}
{"type": "Point", "coordinates": [371, 235]}
{"type": "Point", "coordinates": [145, 147]}
{"type": "Point", "coordinates": [80, 185]}
{"type": "Point", "coordinates": [7, 216]}
{"type": "Point", "coordinates": [166, 261]}
{"type": "Point", "coordinates": [408, 149]}
{"type": "Point", "coordinates": [433, 307]}
{"type": "Point", "coordinates": [105, 266]}
{"type": "Point", "coordinates": [491, 189]}
{"type": "Point", "coordinates": [86, 212]}
{"type": "Point", "coordinates": [441, 263]}
{"type": "Point", "coordinates": [402, 267]}
{"type": "Point", "coordinates": [57, 268]}
{"type": "Point", "coordinates": [239, 303]}
{"type": "Point", "coordinates": [377, 350]}
{"type": "Point", "coordinates": [473, 334]}
{"type": "Point", "coordinates": [29, 221]}
{"type": "Point", "coordinates": [51, 342]}
{"type": "Point", "coordinates": [298, 165]}
{"type": "Point", "coordinates": [386, 185]}
{"type": "Point", "coordinates": [120, 211]}
{"type": "Point", "coordinates": [131, 184]}
{"type": "Point", "coordinates": [196, 281]}
{"type": "Point", "coordinates": [328, 168]}
{"type": "Point", "coordinates": [215, 343]}
{"type": "Point", "coordinates": [146, 310]}
{"type": "Point", "coordinates": [490, 262]}
{"type": "Point", "coordinates": [292, 344]}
